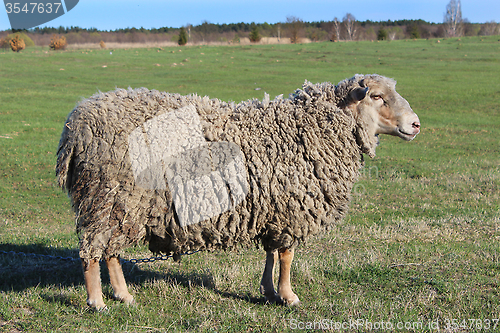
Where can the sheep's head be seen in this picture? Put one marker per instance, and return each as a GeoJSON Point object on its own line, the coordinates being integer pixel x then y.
{"type": "Point", "coordinates": [379, 109]}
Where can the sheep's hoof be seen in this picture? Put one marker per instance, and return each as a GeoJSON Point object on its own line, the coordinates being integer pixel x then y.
{"type": "Point", "coordinates": [125, 299]}
{"type": "Point", "coordinates": [294, 302]}
{"type": "Point", "coordinates": [290, 300]}
{"type": "Point", "coordinates": [97, 306]}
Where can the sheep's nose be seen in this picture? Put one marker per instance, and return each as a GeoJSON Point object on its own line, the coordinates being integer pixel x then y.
{"type": "Point", "coordinates": [415, 124]}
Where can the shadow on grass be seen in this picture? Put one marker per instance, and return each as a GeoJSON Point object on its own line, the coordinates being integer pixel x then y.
{"type": "Point", "coordinates": [25, 269]}
{"type": "Point", "coordinates": [195, 279]}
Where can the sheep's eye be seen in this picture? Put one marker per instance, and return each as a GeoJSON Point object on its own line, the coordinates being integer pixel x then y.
{"type": "Point", "coordinates": [376, 97]}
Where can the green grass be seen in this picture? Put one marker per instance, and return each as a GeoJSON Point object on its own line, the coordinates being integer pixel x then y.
{"type": "Point", "coordinates": [420, 243]}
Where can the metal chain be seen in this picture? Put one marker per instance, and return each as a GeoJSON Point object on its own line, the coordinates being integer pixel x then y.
{"type": "Point", "coordinates": [157, 258]}
{"type": "Point", "coordinates": [132, 261]}
{"type": "Point", "coordinates": [36, 255]}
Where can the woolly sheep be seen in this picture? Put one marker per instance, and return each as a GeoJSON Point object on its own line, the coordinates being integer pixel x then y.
{"type": "Point", "coordinates": [281, 171]}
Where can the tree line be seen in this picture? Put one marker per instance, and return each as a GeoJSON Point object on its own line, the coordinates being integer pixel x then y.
{"type": "Point", "coordinates": [294, 28]}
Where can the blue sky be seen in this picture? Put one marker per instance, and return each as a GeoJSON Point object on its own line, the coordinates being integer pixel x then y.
{"type": "Point", "coordinates": [114, 14]}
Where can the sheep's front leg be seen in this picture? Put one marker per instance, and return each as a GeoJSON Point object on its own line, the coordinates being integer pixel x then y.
{"type": "Point", "coordinates": [92, 275]}
{"type": "Point", "coordinates": [267, 284]}
{"type": "Point", "coordinates": [284, 285]}
{"type": "Point", "coordinates": [118, 281]}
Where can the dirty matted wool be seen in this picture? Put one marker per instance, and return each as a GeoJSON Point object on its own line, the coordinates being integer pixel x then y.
{"type": "Point", "coordinates": [301, 156]}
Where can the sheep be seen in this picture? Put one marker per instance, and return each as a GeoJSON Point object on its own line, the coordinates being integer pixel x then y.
{"type": "Point", "coordinates": [187, 173]}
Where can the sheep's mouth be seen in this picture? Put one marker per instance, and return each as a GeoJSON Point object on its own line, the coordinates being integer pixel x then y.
{"type": "Point", "coordinates": [406, 136]}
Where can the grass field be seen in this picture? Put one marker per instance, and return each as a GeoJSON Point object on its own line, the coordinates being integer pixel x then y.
{"type": "Point", "coordinates": [419, 249]}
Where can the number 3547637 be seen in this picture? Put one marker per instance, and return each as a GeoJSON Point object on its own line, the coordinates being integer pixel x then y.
{"type": "Point", "coordinates": [32, 7]}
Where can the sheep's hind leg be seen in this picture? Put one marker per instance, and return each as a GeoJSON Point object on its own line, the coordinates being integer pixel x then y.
{"type": "Point", "coordinates": [284, 285]}
{"type": "Point", "coordinates": [267, 284]}
{"type": "Point", "coordinates": [92, 275]}
{"type": "Point", "coordinates": [118, 281]}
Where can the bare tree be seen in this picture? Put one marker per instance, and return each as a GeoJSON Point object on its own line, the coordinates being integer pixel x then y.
{"type": "Point", "coordinates": [395, 33]}
{"type": "Point", "coordinates": [349, 22]}
{"type": "Point", "coordinates": [336, 29]}
{"type": "Point", "coordinates": [295, 27]}
{"type": "Point", "coordinates": [453, 19]}
{"type": "Point", "coordinates": [489, 28]}
{"type": "Point", "coordinates": [188, 28]}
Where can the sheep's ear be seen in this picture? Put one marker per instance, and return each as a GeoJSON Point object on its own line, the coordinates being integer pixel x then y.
{"type": "Point", "coordinates": [359, 93]}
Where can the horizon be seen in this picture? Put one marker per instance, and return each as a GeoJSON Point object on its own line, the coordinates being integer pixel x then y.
{"type": "Point", "coordinates": [153, 14]}
{"type": "Point", "coordinates": [32, 30]}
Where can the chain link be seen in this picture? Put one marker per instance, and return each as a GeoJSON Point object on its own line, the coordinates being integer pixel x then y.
{"type": "Point", "coordinates": [132, 261]}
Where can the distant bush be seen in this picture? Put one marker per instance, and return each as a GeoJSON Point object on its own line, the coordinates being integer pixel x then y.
{"type": "Point", "coordinates": [183, 39]}
{"type": "Point", "coordinates": [102, 44]}
{"type": "Point", "coordinates": [414, 32]}
{"type": "Point", "coordinates": [17, 44]}
{"type": "Point", "coordinates": [58, 42]}
{"type": "Point", "coordinates": [382, 34]}
{"type": "Point", "coordinates": [255, 35]}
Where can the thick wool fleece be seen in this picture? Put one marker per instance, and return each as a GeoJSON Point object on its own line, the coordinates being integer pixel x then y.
{"type": "Point", "coordinates": [301, 154]}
